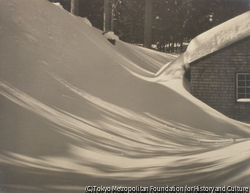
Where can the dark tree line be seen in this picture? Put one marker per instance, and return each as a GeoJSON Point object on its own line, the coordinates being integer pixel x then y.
{"type": "Point", "coordinates": [178, 21]}
{"type": "Point", "coordinates": [174, 22]}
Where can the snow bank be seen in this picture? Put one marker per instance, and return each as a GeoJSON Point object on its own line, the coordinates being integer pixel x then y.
{"type": "Point", "coordinates": [85, 19]}
{"type": "Point", "coordinates": [111, 35]}
{"type": "Point", "coordinates": [58, 5]}
{"type": "Point", "coordinates": [218, 37]}
{"type": "Point", "coordinates": [147, 59]}
{"type": "Point", "coordinates": [78, 111]}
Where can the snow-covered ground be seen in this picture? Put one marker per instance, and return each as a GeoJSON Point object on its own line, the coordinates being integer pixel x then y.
{"type": "Point", "coordinates": [78, 111]}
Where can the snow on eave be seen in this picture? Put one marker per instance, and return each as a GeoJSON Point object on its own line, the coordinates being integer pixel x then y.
{"type": "Point", "coordinates": [218, 37]}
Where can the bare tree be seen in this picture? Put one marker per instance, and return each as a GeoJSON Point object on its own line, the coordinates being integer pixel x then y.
{"type": "Point", "coordinates": [112, 26]}
{"type": "Point", "coordinates": [148, 24]}
{"type": "Point", "coordinates": [107, 16]}
{"type": "Point", "coordinates": [75, 7]}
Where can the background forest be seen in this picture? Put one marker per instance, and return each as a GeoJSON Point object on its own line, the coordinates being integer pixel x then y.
{"type": "Point", "coordinates": [175, 22]}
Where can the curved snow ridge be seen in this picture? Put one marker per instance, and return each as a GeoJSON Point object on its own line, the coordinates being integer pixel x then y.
{"type": "Point", "coordinates": [218, 37]}
{"type": "Point", "coordinates": [126, 150]}
{"type": "Point", "coordinates": [150, 57]}
{"type": "Point", "coordinates": [220, 166]}
{"type": "Point", "coordinates": [100, 135]}
{"type": "Point", "coordinates": [173, 70]}
{"type": "Point", "coordinates": [206, 43]}
{"type": "Point", "coordinates": [121, 122]}
{"type": "Point", "coordinates": [135, 61]}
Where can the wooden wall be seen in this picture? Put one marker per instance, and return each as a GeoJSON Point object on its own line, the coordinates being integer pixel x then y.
{"type": "Point", "coordinates": [213, 79]}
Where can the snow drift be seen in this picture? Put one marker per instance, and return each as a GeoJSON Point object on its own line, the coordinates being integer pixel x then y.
{"type": "Point", "coordinates": [77, 111]}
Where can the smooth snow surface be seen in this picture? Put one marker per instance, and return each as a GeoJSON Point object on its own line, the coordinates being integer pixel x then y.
{"type": "Point", "coordinates": [77, 111]}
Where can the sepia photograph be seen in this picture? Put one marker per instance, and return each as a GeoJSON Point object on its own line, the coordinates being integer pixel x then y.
{"type": "Point", "coordinates": [124, 96]}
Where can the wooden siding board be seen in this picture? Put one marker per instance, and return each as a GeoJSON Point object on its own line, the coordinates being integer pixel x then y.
{"type": "Point", "coordinates": [213, 79]}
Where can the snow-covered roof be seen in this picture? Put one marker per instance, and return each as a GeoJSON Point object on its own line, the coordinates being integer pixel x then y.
{"type": "Point", "coordinates": [218, 37]}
